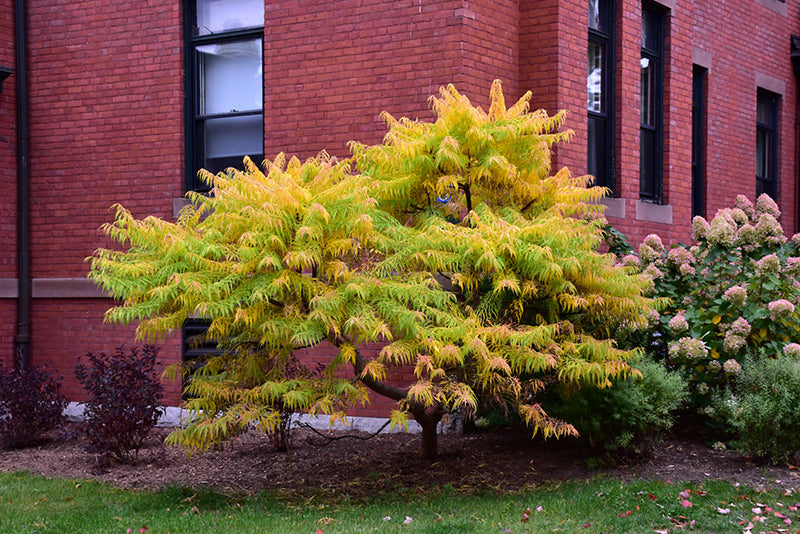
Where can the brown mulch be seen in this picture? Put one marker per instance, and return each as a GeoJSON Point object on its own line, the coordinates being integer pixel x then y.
{"type": "Point", "coordinates": [503, 461]}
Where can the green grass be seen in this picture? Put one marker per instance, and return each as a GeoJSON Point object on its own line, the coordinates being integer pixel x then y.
{"type": "Point", "coordinates": [33, 504]}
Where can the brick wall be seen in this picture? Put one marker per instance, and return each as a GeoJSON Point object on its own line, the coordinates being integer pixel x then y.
{"type": "Point", "coordinates": [553, 36]}
{"type": "Point", "coordinates": [64, 330]}
{"type": "Point", "coordinates": [744, 39]}
{"type": "Point", "coordinates": [329, 73]}
{"type": "Point", "coordinates": [107, 111]}
{"type": "Point", "coordinates": [106, 97]}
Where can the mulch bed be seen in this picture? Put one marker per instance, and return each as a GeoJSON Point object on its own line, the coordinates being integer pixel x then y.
{"type": "Point", "coordinates": [504, 461]}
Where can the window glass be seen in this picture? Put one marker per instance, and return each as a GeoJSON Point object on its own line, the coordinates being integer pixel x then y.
{"type": "Point", "coordinates": [762, 151]}
{"type": "Point", "coordinates": [216, 16]}
{"type": "Point", "coordinates": [595, 79]}
{"type": "Point", "coordinates": [599, 19]}
{"type": "Point", "coordinates": [233, 136]}
{"type": "Point", "coordinates": [648, 88]}
{"type": "Point", "coordinates": [594, 14]}
{"type": "Point", "coordinates": [650, 33]}
{"type": "Point", "coordinates": [230, 77]}
{"type": "Point", "coordinates": [765, 109]}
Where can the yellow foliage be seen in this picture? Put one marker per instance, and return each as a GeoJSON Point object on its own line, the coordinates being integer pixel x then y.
{"type": "Point", "coordinates": [452, 241]}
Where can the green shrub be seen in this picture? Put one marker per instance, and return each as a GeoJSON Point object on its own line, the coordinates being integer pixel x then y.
{"type": "Point", "coordinates": [631, 415]}
{"type": "Point", "coordinates": [763, 407]}
{"type": "Point", "coordinates": [30, 404]}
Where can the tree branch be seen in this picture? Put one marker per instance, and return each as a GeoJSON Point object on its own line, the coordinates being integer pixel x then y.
{"type": "Point", "coordinates": [359, 365]}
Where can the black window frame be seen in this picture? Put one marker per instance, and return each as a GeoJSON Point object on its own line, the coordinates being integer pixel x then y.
{"type": "Point", "coordinates": [699, 117]}
{"type": "Point", "coordinates": [767, 182]}
{"type": "Point", "coordinates": [600, 151]}
{"type": "Point", "coordinates": [651, 135]}
{"type": "Point", "coordinates": [193, 120]}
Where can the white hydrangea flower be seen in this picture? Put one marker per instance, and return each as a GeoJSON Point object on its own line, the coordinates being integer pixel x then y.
{"type": "Point", "coordinates": [722, 232]}
{"type": "Point", "coordinates": [688, 349]}
{"type": "Point", "coordinates": [765, 204]}
{"type": "Point", "coordinates": [769, 264]}
{"type": "Point", "coordinates": [743, 203]}
{"type": "Point", "coordinates": [654, 241]}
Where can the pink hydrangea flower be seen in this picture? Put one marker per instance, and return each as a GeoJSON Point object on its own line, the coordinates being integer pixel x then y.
{"type": "Point", "coordinates": [793, 266]}
{"type": "Point", "coordinates": [678, 324]}
{"type": "Point", "coordinates": [744, 204]}
{"type": "Point", "coordinates": [631, 261]}
{"type": "Point", "coordinates": [731, 367]}
{"type": "Point", "coordinates": [792, 350]}
{"type": "Point", "coordinates": [780, 309]}
{"type": "Point", "coordinates": [654, 241]}
{"type": "Point", "coordinates": [732, 342]}
{"type": "Point", "coordinates": [736, 295]}
{"type": "Point", "coordinates": [740, 327]}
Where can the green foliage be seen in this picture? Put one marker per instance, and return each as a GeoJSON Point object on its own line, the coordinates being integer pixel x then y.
{"type": "Point", "coordinates": [763, 407]}
{"type": "Point", "coordinates": [732, 293]}
{"type": "Point", "coordinates": [450, 242]}
{"type": "Point", "coordinates": [630, 416]}
{"type": "Point", "coordinates": [123, 402]}
{"type": "Point", "coordinates": [30, 404]}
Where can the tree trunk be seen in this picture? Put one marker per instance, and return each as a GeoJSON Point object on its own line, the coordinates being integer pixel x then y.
{"type": "Point", "coordinates": [428, 421]}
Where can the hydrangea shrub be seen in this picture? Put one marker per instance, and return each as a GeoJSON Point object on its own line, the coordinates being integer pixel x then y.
{"type": "Point", "coordinates": [733, 293]}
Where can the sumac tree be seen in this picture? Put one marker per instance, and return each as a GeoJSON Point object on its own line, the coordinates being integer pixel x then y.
{"type": "Point", "coordinates": [451, 242]}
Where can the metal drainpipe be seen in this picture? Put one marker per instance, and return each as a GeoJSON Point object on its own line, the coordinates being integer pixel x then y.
{"type": "Point", "coordinates": [22, 339]}
{"type": "Point", "coordinates": [794, 54]}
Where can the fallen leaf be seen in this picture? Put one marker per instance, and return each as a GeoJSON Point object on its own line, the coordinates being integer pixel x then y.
{"type": "Point", "coordinates": [625, 514]}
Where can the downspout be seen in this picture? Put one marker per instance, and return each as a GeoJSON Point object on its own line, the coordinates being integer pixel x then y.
{"type": "Point", "coordinates": [22, 339]}
{"type": "Point", "coordinates": [794, 54]}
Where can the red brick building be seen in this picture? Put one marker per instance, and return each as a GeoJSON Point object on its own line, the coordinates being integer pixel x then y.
{"type": "Point", "coordinates": [677, 107]}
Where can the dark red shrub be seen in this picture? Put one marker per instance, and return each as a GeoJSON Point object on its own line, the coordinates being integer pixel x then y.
{"type": "Point", "coordinates": [30, 404]}
{"type": "Point", "coordinates": [123, 403]}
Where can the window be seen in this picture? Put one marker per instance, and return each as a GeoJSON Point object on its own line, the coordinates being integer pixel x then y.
{"type": "Point", "coordinates": [767, 143]}
{"type": "Point", "coordinates": [652, 97]}
{"type": "Point", "coordinates": [224, 85]}
{"type": "Point", "coordinates": [699, 76]}
{"type": "Point", "coordinates": [599, 92]}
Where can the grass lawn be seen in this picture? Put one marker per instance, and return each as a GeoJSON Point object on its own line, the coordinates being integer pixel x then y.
{"type": "Point", "coordinates": [33, 504]}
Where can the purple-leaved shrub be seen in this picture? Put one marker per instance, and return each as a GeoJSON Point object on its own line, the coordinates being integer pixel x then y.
{"type": "Point", "coordinates": [30, 404]}
{"type": "Point", "coordinates": [123, 403]}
